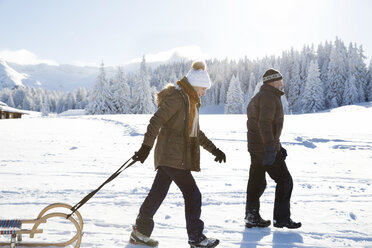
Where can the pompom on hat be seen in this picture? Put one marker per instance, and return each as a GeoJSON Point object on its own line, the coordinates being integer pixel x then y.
{"type": "Point", "coordinates": [198, 76]}
{"type": "Point", "coordinates": [271, 75]}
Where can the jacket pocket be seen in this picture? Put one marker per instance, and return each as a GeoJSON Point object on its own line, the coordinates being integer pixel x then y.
{"type": "Point", "coordinates": [175, 146]}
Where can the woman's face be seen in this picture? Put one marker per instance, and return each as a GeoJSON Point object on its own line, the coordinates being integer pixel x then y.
{"type": "Point", "coordinates": [200, 90]}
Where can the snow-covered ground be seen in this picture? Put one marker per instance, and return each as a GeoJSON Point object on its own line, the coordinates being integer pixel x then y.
{"type": "Point", "coordinates": [61, 159]}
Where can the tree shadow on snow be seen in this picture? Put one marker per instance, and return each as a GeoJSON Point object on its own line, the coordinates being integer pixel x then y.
{"type": "Point", "coordinates": [286, 239]}
{"type": "Point", "coordinates": [252, 237]}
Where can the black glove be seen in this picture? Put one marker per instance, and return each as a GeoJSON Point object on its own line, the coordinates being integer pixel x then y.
{"type": "Point", "coordinates": [220, 156]}
{"type": "Point", "coordinates": [283, 151]}
{"type": "Point", "coordinates": [269, 157]}
{"type": "Point", "coordinates": [142, 153]}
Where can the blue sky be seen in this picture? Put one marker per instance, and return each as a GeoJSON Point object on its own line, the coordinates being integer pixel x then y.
{"type": "Point", "coordinates": [85, 32]}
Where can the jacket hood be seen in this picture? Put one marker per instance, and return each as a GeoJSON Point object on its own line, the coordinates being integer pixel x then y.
{"type": "Point", "coordinates": [168, 90]}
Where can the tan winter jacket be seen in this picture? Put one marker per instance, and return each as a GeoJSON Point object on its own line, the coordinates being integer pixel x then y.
{"type": "Point", "coordinates": [265, 119]}
{"type": "Point", "coordinates": [170, 125]}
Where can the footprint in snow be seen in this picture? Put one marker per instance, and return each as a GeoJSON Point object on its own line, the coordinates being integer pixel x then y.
{"type": "Point", "coordinates": [352, 216]}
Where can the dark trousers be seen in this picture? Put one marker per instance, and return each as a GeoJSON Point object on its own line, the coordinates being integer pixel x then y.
{"type": "Point", "coordinates": [191, 194]}
{"type": "Point", "coordinates": [257, 184]}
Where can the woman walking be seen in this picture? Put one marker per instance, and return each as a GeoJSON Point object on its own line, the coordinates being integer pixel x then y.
{"type": "Point", "coordinates": [177, 153]}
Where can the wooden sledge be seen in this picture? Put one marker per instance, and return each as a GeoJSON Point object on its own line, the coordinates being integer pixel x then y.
{"type": "Point", "coordinates": [15, 229]}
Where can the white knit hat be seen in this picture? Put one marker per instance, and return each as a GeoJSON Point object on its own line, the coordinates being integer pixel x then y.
{"type": "Point", "coordinates": [199, 78]}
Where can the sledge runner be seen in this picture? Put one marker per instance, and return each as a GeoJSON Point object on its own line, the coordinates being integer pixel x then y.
{"type": "Point", "coordinates": [177, 153]}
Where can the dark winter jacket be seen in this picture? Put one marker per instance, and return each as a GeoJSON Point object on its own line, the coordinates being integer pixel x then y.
{"type": "Point", "coordinates": [265, 119]}
{"type": "Point", "coordinates": [174, 148]}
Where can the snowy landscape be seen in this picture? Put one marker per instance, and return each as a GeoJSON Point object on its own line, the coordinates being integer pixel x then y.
{"type": "Point", "coordinates": [44, 160]}
{"type": "Point", "coordinates": [79, 83]}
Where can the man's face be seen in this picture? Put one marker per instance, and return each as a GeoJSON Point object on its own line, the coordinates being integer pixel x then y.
{"type": "Point", "coordinates": [200, 90]}
{"type": "Point", "coordinates": [278, 84]}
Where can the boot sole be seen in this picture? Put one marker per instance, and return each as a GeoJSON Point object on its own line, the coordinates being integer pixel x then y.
{"type": "Point", "coordinates": [214, 245]}
{"type": "Point", "coordinates": [257, 225]}
{"type": "Point", "coordinates": [289, 227]}
{"type": "Point", "coordinates": [135, 242]}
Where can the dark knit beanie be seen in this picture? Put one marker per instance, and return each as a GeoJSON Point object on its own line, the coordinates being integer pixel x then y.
{"type": "Point", "coordinates": [271, 75]}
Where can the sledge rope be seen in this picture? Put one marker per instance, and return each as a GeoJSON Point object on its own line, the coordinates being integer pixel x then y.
{"type": "Point", "coordinates": [91, 194]}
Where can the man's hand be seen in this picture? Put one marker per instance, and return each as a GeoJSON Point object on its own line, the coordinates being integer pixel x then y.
{"type": "Point", "coordinates": [270, 155]}
{"type": "Point", "coordinates": [283, 151]}
{"type": "Point", "coordinates": [220, 155]}
{"type": "Point", "coordinates": [142, 153]}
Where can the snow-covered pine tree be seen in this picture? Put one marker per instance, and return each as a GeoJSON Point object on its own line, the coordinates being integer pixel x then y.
{"type": "Point", "coordinates": [210, 98]}
{"type": "Point", "coordinates": [121, 92]}
{"type": "Point", "coordinates": [369, 80]}
{"type": "Point", "coordinates": [71, 101]}
{"type": "Point", "coordinates": [352, 85]}
{"type": "Point", "coordinates": [19, 95]}
{"type": "Point", "coordinates": [351, 95]}
{"type": "Point", "coordinates": [285, 70]}
{"type": "Point", "coordinates": [28, 103]}
{"type": "Point", "coordinates": [285, 105]}
{"type": "Point", "coordinates": [324, 53]}
{"type": "Point", "coordinates": [223, 92]}
{"type": "Point", "coordinates": [362, 74]}
{"type": "Point", "coordinates": [313, 99]}
{"type": "Point", "coordinates": [81, 98]}
{"type": "Point", "coordinates": [321, 55]}
{"type": "Point", "coordinates": [45, 105]}
{"type": "Point", "coordinates": [257, 88]}
{"type": "Point", "coordinates": [60, 105]}
{"type": "Point", "coordinates": [250, 91]}
{"type": "Point", "coordinates": [304, 64]}
{"type": "Point", "coordinates": [141, 95]}
{"type": "Point", "coordinates": [306, 56]}
{"type": "Point", "coordinates": [45, 110]}
{"type": "Point", "coordinates": [172, 78]}
{"type": "Point", "coordinates": [294, 89]}
{"type": "Point", "coordinates": [218, 81]}
{"type": "Point", "coordinates": [38, 101]}
{"type": "Point", "coordinates": [100, 97]}
{"type": "Point", "coordinates": [244, 72]}
{"type": "Point", "coordinates": [52, 100]}
{"type": "Point", "coordinates": [234, 100]}
{"type": "Point", "coordinates": [29, 100]}
{"type": "Point", "coordinates": [337, 75]}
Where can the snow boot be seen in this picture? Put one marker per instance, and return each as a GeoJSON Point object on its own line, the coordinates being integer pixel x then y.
{"type": "Point", "coordinates": [138, 238]}
{"type": "Point", "coordinates": [204, 243]}
{"type": "Point", "coordinates": [254, 219]}
{"type": "Point", "coordinates": [288, 224]}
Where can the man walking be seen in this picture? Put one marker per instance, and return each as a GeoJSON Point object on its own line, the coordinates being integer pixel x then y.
{"type": "Point", "coordinates": [265, 124]}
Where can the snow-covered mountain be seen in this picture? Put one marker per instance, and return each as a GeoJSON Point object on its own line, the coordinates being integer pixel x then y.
{"type": "Point", "coordinates": [10, 78]}
{"type": "Point", "coordinates": [63, 77]}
